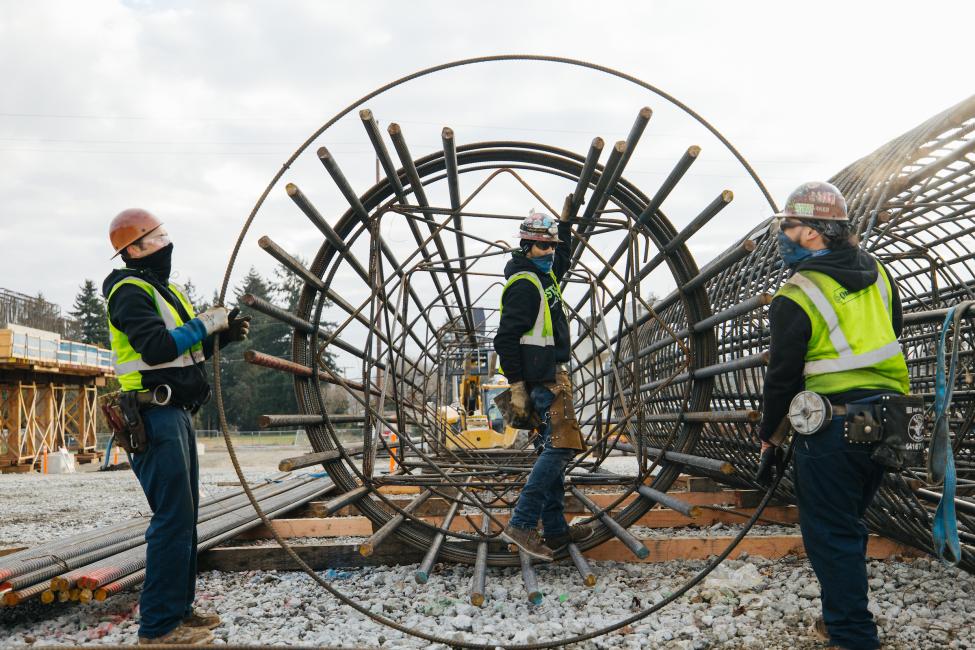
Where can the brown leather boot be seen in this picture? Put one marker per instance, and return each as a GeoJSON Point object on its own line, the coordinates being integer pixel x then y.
{"type": "Point", "coordinates": [576, 535]}
{"type": "Point", "coordinates": [198, 619]}
{"type": "Point", "coordinates": [528, 540]}
{"type": "Point", "coordinates": [180, 635]}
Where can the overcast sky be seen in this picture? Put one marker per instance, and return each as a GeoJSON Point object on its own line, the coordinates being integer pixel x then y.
{"type": "Point", "coordinates": [189, 108]}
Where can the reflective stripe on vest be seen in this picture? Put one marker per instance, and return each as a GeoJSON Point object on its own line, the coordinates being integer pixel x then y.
{"type": "Point", "coordinates": [873, 360]}
{"type": "Point", "coordinates": [542, 333]}
{"type": "Point", "coordinates": [128, 363]}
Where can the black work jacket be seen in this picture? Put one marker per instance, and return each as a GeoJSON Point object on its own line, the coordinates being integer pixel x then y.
{"type": "Point", "coordinates": [133, 311]}
{"type": "Point", "coordinates": [520, 305]}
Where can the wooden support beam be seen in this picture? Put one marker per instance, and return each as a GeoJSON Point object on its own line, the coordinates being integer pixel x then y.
{"type": "Point", "coordinates": [334, 555]}
{"type": "Point", "coordinates": [438, 506]}
{"type": "Point", "coordinates": [358, 526]}
{"type": "Point", "coordinates": [768, 546]}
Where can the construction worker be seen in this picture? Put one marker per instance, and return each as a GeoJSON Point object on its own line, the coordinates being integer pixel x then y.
{"type": "Point", "coordinates": [158, 347]}
{"type": "Point", "coordinates": [532, 343]}
{"type": "Point", "coordinates": [834, 327]}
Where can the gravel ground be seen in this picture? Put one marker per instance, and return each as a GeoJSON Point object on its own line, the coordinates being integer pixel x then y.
{"type": "Point", "coordinates": [751, 603]}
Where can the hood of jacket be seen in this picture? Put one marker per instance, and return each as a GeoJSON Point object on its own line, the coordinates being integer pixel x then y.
{"type": "Point", "coordinates": [519, 262]}
{"type": "Point", "coordinates": [852, 267]}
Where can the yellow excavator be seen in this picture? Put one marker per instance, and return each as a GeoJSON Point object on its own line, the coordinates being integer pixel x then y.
{"type": "Point", "coordinates": [474, 422]}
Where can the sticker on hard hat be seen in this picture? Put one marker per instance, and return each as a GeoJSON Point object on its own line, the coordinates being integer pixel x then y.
{"type": "Point", "coordinates": [803, 209]}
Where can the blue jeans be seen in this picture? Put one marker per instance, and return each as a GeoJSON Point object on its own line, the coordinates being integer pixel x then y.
{"type": "Point", "coordinates": [835, 482]}
{"type": "Point", "coordinates": [170, 477]}
{"type": "Point", "coordinates": [543, 496]}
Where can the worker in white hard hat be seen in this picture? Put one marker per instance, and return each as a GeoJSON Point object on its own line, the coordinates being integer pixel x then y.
{"type": "Point", "coordinates": [834, 326]}
{"type": "Point", "coordinates": [532, 343]}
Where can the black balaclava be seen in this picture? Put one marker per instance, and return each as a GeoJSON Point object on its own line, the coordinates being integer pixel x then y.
{"type": "Point", "coordinates": [525, 245]}
{"type": "Point", "coordinates": [159, 264]}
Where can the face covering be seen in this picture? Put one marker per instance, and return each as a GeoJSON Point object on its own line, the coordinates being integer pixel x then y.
{"type": "Point", "coordinates": [792, 253]}
{"type": "Point", "coordinates": [544, 263]}
{"type": "Point", "coordinates": [160, 263]}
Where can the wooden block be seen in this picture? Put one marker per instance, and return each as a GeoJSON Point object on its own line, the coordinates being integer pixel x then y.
{"type": "Point", "coordinates": [400, 489]}
{"type": "Point", "coordinates": [16, 469]}
{"type": "Point", "coordinates": [328, 527]}
{"type": "Point", "coordinates": [8, 551]}
{"type": "Point", "coordinates": [700, 548]}
{"type": "Point", "coordinates": [702, 484]}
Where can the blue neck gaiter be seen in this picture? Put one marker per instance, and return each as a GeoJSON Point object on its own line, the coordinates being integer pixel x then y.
{"type": "Point", "coordinates": [544, 263]}
{"type": "Point", "coordinates": [792, 253]}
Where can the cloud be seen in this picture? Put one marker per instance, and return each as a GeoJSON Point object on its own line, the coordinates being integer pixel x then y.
{"type": "Point", "coordinates": [189, 108]}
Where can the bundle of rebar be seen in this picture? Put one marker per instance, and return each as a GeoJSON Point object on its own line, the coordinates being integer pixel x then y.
{"type": "Point", "coordinates": [106, 560]}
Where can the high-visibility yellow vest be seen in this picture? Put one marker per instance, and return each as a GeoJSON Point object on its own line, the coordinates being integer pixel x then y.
{"type": "Point", "coordinates": [542, 333]}
{"type": "Point", "coordinates": [853, 344]}
{"type": "Point", "coordinates": [128, 363]}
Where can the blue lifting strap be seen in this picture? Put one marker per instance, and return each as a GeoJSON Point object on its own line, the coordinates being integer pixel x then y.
{"type": "Point", "coordinates": [941, 462]}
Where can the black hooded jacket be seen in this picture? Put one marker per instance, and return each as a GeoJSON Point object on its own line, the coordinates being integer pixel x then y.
{"type": "Point", "coordinates": [855, 269]}
{"type": "Point", "coordinates": [520, 305]}
{"type": "Point", "coordinates": [133, 311]}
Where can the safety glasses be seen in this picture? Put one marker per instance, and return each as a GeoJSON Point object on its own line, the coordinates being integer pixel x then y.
{"type": "Point", "coordinates": [544, 245]}
{"type": "Point", "coordinates": [155, 240]}
{"type": "Point", "coordinates": [781, 224]}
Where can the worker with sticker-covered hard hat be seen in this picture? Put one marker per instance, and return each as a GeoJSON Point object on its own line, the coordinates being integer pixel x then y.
{"type": "Point", "coordinates": [159, 345]}
{"type": "Point", "coordinates": [532, 343]}
{"type": "Point", "coordinates": [834, 327]}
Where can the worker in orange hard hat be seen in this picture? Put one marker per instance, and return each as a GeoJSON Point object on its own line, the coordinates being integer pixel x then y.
{"type": "Point", "coordinates": [159, 345]}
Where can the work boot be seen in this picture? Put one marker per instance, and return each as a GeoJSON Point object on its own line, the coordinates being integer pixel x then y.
{"type": "Point", "coordinates": [819, 630]}
{"type": "Point", "coordinates": [528, 540]}
{"type": "Point", "coordinates": [180, 635]}
{"type": "Point", "coordinates": [196, 619]}
{"type": "Point", "coordinates": [576, 535]}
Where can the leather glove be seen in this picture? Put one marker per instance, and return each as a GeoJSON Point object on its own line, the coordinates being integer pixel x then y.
{"type": "Point", "coordinates": [520, 402]}
{"type": "Point", "coordinates": [214, 319]}
{"type": "Point", "coordinates": [770, 465]}
{"type": "Point", "coordinates": [238, 329]}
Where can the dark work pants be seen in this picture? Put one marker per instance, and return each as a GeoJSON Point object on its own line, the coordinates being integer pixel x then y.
{"type": "Point", "coordinates": [835, 483]}
{"type": "Point", "coordinates": [543, 496]}
{"type": "Point", "coordinates": [170, 477]}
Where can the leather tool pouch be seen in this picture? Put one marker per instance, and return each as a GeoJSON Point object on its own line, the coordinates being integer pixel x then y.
{"type": "Point", "coordinates": [902, 443]}
{"type": "Point", "coordinates": [566, 433]}
{"type": "Point", "coordinates": [863, 424]}
{"type": "Point", "coordinates": [122, 413]}
{"type": "Point", "coordinates": [503, 402]}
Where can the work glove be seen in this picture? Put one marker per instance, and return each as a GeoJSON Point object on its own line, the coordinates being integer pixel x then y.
{"type": "Point", "coordinates": [238, 329]}
{"type": "Point", "coordinates": [520, 402]}
{"type": "Point", "coordinates": [770, 465]}
{"type": "Point", "coordinates": [214, 319]}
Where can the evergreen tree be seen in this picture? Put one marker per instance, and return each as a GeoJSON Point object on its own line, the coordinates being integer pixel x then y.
{"type": "Point", "coordinates": [90, 315]}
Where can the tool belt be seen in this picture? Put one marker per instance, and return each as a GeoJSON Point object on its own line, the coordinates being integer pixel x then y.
{"type": "Point", "coordinates": [123, 412]}
{"type": "Point", "coordinates": [566, 433]}
{"type": "Point", "coordinates": [895, 424]}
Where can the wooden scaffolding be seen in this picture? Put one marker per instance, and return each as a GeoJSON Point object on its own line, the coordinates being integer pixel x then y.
{"type": "Point", "coordinates": [46, 408]}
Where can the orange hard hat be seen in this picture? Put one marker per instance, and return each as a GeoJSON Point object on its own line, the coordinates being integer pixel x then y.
{"type": "Point", "coordinates": [129, 226]}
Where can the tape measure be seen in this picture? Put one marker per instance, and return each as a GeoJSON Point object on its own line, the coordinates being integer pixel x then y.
{"type": "Point", "coordinates": [809, 413]}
